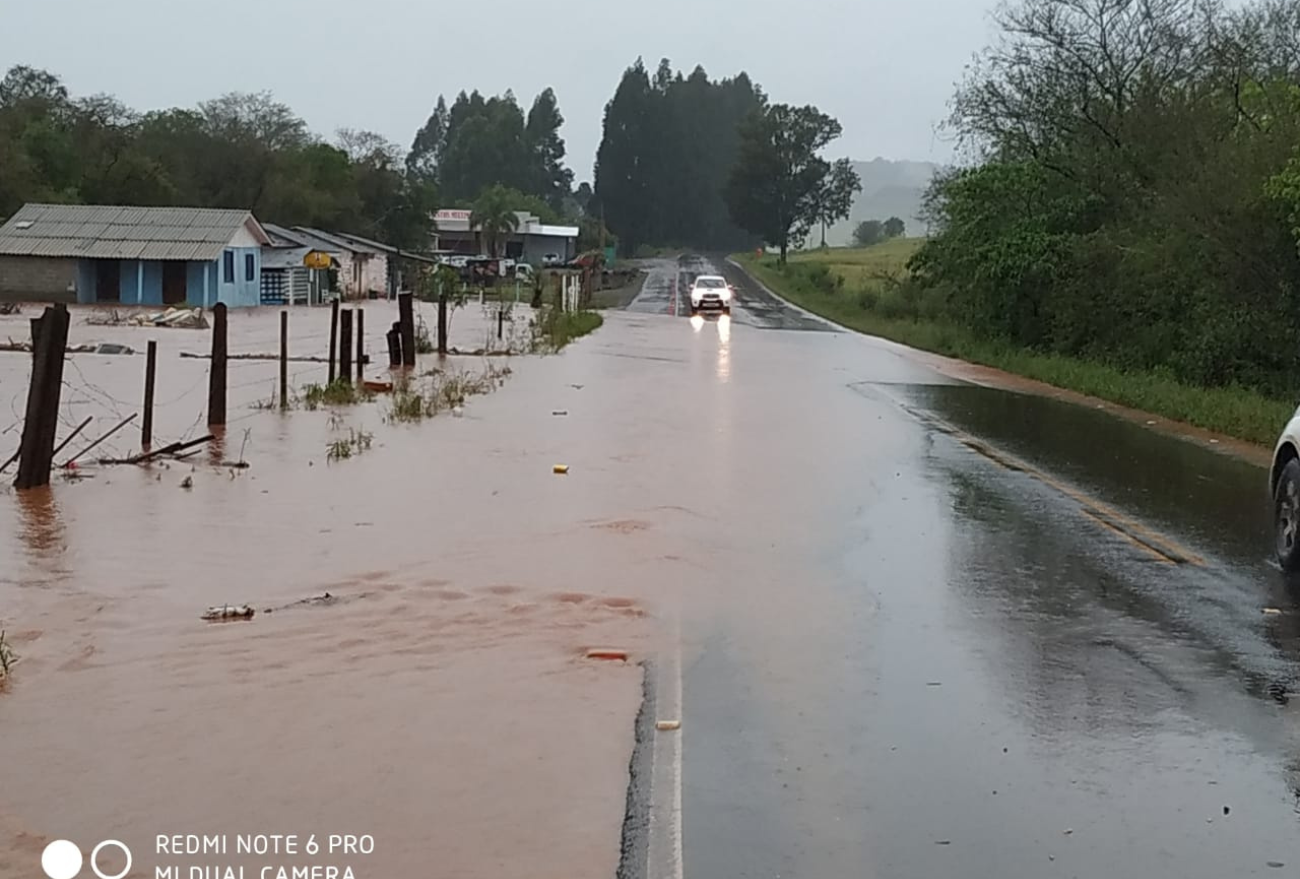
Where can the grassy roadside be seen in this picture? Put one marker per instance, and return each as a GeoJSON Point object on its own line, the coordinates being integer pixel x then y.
{"type": "Point", "coordinates": [859, 302]}
{"type": "Point", "coordinates": [558, 328]}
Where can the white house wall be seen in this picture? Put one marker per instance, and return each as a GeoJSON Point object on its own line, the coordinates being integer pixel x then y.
{"type": "Point", "coordinates": [245, 238]}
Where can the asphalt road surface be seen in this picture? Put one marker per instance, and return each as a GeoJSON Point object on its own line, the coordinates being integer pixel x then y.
{"type": "Point", "coordinates": [961, 632]}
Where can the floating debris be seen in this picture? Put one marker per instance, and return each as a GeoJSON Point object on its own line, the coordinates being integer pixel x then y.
{"type": "Point", "coordinates": [226, 612]}
{"type": "Point", "coordinates": [608, 653]}
{"type": "Point", "coordinates": [668, 725]}
{"type": "Point", "coordinates": [561, 469]}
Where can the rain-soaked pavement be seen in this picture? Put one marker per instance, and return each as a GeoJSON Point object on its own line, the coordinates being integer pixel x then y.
{"type": "Point", "coordinates": [923, 628]}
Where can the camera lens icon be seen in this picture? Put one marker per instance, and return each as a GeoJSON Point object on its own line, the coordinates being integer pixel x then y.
{"type": "Point", "coordinates": [63, 860]}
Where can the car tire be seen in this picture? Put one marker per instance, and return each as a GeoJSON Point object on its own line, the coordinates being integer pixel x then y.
{"type": "Point", "coordinates": [1286, 517]}
{"type": "Point", "coordinates": [726, 309]}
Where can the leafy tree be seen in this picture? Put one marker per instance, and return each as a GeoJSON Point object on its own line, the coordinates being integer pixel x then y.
{"type": "Point", "coordinates": [494, 217]}
{"type": "Point", "coordinates": [240, 150]}
{"type": "Point", "coordinates": [542, 135]}
{"type": "Point", "coordinates": [835, 195]}
{"type": "Point", "coordinates": [479, 142]}
{"type": "Point", "coordinates": [869, 232]}
{"type": "Point", "coordinates": [776, 188]}
{"type": "Point", "coordinates": [1135, 191]}
{"type": "Point", "coordinates": [894, 228]}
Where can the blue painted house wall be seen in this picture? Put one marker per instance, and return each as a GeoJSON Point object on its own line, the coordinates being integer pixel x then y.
{"type": "Point", "coordinates": [206, 283]}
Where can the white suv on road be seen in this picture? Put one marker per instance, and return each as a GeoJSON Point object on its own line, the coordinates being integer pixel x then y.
{"type": "Point", "coordinates": [711, 292]}
{"type": "Point", "coordinates": [1284, 486]}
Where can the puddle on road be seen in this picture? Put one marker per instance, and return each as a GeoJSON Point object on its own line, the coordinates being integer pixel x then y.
{"type": "Point", "coordinates": [1206, 498]}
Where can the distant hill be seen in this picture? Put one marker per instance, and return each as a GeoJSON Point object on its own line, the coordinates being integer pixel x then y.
{"type": "Point", "coordinates": [889, 189]}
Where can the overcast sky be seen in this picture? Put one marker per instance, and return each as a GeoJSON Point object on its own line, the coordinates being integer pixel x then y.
{"type": "Point", "coordinates": [884, 68]}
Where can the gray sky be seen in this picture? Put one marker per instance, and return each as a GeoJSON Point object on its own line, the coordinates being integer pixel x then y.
{"type": "Point", "coordinates": [884, 68]}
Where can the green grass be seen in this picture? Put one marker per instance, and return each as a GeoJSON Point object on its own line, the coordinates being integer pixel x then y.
{"type": "Point", "coordinates": [861, 303]}
{"type": "Point", "coordinates": [341, 392]}
{"type": "Point", "coordinates": [556, 328]}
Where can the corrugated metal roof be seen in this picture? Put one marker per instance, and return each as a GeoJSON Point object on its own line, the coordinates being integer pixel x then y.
{"type": "Point", "coordinates": [111, 232]}
{"type": "Point", "coordinates": [345, 244]}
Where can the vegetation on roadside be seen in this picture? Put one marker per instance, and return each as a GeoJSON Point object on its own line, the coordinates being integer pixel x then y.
{"type": "Point", "coordinates": [1130, 226]}
{"type": "Point", "coordinates": [555, 328]}
{"type": "Point", "coordinates": [869, 290]}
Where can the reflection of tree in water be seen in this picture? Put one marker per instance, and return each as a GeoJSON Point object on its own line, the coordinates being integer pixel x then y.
{"type": "Point", "coordinates": [1093, 640]}
{"type": "Point", "coordinates": [43, 531]}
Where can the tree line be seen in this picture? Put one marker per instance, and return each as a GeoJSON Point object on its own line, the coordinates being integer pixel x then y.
{"type": "Point", "coordinates": [251, 151]}
{"type": "Point", "coordinates": [713, 164]}
{"type": "Point", "coordinates": [1135, 194]}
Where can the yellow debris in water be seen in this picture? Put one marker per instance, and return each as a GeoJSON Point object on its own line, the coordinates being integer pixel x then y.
{"type": "Point", "coordinates": [668, 725]}
{"type": "Point", "coordinates": [560, 468]}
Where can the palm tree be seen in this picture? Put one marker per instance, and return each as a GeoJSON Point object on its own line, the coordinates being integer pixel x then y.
{"type": "Point", "coordinates": [494, 217]}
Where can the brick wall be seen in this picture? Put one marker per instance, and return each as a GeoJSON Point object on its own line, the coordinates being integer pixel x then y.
{"type": "Point", "coordinates": [37, 279]}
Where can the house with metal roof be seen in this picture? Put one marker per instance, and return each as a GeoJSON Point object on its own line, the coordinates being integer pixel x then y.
{"type": "Point", "coordinates": [132, 255]}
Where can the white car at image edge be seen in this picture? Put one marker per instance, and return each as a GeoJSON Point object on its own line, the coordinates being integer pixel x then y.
{"type": "Point", "coordinates": [1284, 488]}
{"type": "Point", "coordinates": [711, 292]}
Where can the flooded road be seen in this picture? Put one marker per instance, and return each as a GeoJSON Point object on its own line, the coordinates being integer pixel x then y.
{"type": "Point", "coordinates": [922, 628]}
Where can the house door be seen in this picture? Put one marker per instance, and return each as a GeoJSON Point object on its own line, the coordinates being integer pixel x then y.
{"type": "Point", "coordinates": [174, 283]}
{"type": "Point", "coordinates": [108, 280]}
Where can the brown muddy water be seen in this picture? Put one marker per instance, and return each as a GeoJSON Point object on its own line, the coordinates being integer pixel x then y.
{"type": "Point", "coordinates": [440, 702]}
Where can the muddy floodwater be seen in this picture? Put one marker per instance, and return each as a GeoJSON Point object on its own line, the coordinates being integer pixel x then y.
{"type": "Point", "coordinates": [439, 701]}
{"type": "Point", "coordinates": [900, 625]}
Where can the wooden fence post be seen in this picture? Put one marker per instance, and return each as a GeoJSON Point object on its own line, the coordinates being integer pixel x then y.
{"type": "Point", "coordinates": [394, 337]}
{"type": "Point", "coordinates": [284, 359]}
{"type": "Point", "coordinates": [150, 372]}
{"type": "Point", "coordinates": [442, 324]}
{"type": "Point", "coordinates": [406, 316]}
{"type": "Point", "coordinates": [361, 344]}
{"type": "Point", "coordinates": [345, 345]}
{"type": "Point", "coordinates": [334, 339]}
{"type": "Point", "coordinates": [217, 375]}
{"type": "Point", "coordinates": [36, 451]}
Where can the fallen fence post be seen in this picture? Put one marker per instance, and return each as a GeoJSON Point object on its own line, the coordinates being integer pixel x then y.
{"type": "Point", "coordinates": [165, 450]}
{"type": "Point", "coordinates": [217, 373]}
{"type": "Point", "coordinates": [501, 321]}
{"type": "Point", "coordinates": [87, 450]}
{"type": "Point", "coordinates": [284, 359]}
{"type": "Point", "coordinates": [361, 344]}
{"type": "Point", "coordinates": [406, 316]}
{"type": "Point", "coordinates": [345, 346]}
{"type": "Point", "coordinates": [150, 366]}
{"type": "Point", "coordinates": [36, 451]}
{"type": "Point", "coordinates": [334, 338]}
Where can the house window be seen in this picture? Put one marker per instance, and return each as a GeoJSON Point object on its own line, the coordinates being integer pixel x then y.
{"type": "Point", "coordinates": [249, 267]}
{"type": "Point", "coordinates": [228, 269]}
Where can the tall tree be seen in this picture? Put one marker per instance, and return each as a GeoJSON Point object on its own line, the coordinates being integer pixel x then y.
{"type": "Point", "coordinates": [668, 144]}
{"type": "Point", "coordinates": [554, 181]}
{"type": "Point", "coordinates": [775, 189]}
{"type": "Point", "coordinates": [835, 195]}
{"type": "Point", "coordinates": [426, 152]}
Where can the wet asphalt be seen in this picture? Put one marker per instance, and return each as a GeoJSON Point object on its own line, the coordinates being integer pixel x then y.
{"type": "Point", "coordinates": [1052, 643]}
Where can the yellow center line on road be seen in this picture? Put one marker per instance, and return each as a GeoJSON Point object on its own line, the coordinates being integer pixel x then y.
{"type": "Point", "coordinates": [1150, 550]}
